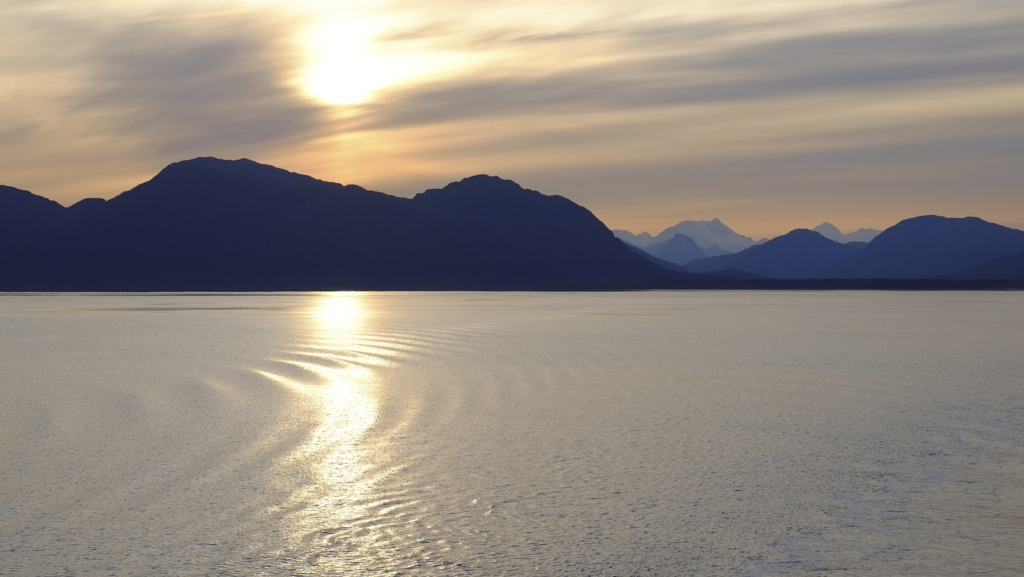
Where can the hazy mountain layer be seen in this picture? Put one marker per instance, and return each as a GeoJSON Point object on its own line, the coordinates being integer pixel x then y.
{"type": "Point", "coordinates": [922, 247]}
{"type": "Point", "coordinates": [680, 249]}
{"type": "Point", "coordinates": [641, 240]}
{"type": "Point", "coordinates": [829, 231]}
{"type": "Point", "coordinates": [712, 236]}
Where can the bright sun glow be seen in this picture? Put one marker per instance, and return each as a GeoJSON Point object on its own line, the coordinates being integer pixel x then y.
{"type": "Point", "coordinates": [340, 313]}
{"type": "Point", "coordinates": [348, 63]}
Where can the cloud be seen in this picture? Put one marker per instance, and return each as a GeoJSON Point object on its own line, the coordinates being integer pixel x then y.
{"type": "Point", "coordinates": [702, 95]}
{"type": "Point", "coordinates": [183, 85]}
{"type": "Point", "coordinates": [908, 104]}
{"type": "Point", "coordinates": [165, 82]}
{"type": "Point", "coordinates": [662, 65]}
{"type": "Point", "coordinates": [729, 89]}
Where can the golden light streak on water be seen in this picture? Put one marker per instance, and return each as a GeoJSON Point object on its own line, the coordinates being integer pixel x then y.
{"type": "Point", "coordinates": [335, 371]}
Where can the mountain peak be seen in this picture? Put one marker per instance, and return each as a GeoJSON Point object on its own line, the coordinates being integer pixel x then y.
{"type": "Point", "coordinates": [487, 179]}
{"type": "Point", "coordinates": [680, 249]}
{"type": "Point", "coordinates": [240, 168]}
{"type": "Point", "coordinates": [483, 184]}
{"type": "Point", "coordinates": [25, 218]}
{"type": "Point", "coordinates": [209, 163]}
{"type": "Point", "coordinates": [209, 223]}
{"type": "Point", "coordinates": [501, 201]}
{"type": "Point", "coordinates": [10, 190]}
{"type": "Point", "coordinates": [936, 220]}
{"type": "Point", "coordinates": [210, 178]}
{"type": "Point", "coordinates": [481, 194]}
{"type": "Point", "coordinates": [12, 199]}
{"type": "Point", "coordinates": [934, 245]}
{"type": "Point", "coordinates": [712, 236]}
{"type": "Point", "coordinates": [803, 237]}
{"type": "Point", "coordinates": [799, 253]}
{"type": "Point", "coordinates": [831, 232]}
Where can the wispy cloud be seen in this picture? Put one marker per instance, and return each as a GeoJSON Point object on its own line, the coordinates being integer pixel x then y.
{"type": "Point", "coordinates": [669, 65]}
{"type": "Point", "coordinates": [167, 83]}
{"type": "Point", "coordinates": [183, 85]}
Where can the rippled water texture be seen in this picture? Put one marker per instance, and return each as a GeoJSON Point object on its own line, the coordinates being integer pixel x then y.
{"type": "Point", "coordinates": [617, 434]}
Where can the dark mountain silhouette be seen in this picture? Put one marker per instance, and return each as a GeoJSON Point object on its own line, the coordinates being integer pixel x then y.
{"type": "Point", "coordinates": [26, 220]}
{"type": "Point", "coordinates": [932, 246]}
{"type": "Point", "coordinates": [1010, 266]}
{"type": "Point", "coordinates": [532, 235]}
{"type": "Point", "coordinates": [209, 224]}
{"type": "Point", "coordinates": [680, 249]}
{"type": "Point", "coordinates": [799, 254]}
{"type": "Point", "coordinates": [734, 273]}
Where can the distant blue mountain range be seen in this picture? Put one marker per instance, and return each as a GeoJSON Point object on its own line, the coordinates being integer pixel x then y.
{"type": "Point", "coordinates": [210, 224]}
{"type": "Point", "coordinates": [916, 248]}
{"type": "Point", "coordinates": [691, 240]}
{"type": "Point", "coordinates": [712, 237]}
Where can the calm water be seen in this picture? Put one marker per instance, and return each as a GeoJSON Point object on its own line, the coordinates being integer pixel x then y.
{"type": "Point", "coordinates": [661, 433]}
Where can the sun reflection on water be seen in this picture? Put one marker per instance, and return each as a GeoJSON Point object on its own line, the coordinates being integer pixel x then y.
{"type": "Point", "coordinates": [336, 373]}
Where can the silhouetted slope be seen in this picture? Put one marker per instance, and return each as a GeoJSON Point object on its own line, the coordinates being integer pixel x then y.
{"type": "Point", "coordinates": [1010, 266]}
{"type": "Point", "coordinates": [799, 254]}
{"type": "Point", "coordinates": [930, 246]}
{"type": "Point", "coordinates": [209, 224]}
{"type": "Point", "coordinates": [680, 249]}
{"type": "Point", "coordinates": [531, 235]}
{"type": "Point", "coordinates": [26, 220]}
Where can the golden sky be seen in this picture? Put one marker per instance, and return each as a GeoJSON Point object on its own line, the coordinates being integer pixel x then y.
{"type": "Point", "coordinates": [768, 115]}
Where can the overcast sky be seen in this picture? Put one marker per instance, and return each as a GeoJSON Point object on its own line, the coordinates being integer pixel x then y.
{"type": "Point", "coordinates": [768, 115]}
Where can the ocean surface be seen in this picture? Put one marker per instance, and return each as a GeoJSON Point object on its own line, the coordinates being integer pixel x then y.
{"type": "Point", "coordinates": [596, 434]}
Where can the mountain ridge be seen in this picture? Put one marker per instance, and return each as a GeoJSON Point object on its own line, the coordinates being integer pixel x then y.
{"type": "Point", "coordinates": [680, 249]}
{"type": "Point", "coordinates": [800, 253]}
{"type": "Point", "coordinates": [712, 236]}
{"type": "Point", "coordinates": [916, 248]}
{"type": "Point", "coordinates": [212, 224]}
{"type": "Point", "coordinates": [932, 246]}
{"type": "Point", "coordinates": [831, 232]}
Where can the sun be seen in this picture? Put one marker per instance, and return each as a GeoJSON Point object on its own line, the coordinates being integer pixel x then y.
{"type": "Point", "coordinates": [343, 66]}
{"type": "Point", "coordinates": [348, 63]}
{"type": "Point", "coordinates": [350, 60]}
